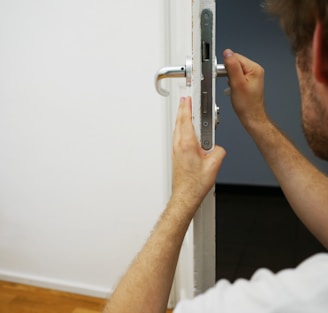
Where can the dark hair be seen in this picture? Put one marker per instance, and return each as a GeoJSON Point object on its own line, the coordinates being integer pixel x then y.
{"type": "Point", "coordinates": [298, 18]}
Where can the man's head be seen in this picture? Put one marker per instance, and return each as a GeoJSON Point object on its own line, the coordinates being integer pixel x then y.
{"type": "Point", "coordinates": [306, 24]}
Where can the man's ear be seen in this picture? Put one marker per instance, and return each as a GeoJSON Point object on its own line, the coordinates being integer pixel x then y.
{"type": "Point", "coordinates": [320, 54]}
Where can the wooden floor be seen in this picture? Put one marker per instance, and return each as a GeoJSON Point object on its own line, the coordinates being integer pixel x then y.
{"type": "Point", "coordinates": [17, 298]}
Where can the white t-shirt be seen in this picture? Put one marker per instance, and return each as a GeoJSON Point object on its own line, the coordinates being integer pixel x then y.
{"type": "Point", "coordinates": [300, 290]}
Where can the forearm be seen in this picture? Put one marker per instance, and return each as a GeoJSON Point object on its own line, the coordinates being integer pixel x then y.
{"type": "Point", "coordinates": [305, 187]}
{"type": "Point", "coordinates": [147, 284]}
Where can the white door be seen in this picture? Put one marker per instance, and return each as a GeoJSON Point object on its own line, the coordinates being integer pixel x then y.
{"type": "Point", "coordinates": [83, 159]}
{"type": "Point", "coordinates": [192, 45]}
{"type": "Point", "coordinates": [84, 140]}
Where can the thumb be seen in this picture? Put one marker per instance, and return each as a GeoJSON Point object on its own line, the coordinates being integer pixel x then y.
{"type": "Point", "coordinates": [233, 66]}
{"type": "Point", "coordinates": [215, 159]}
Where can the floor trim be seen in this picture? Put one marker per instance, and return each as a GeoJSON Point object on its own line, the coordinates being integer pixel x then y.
{"type": "Point", "coordinates": [55, 284]}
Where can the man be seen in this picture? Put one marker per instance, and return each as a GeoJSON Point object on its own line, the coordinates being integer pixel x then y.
{"type": "Point", "coordinates": [146, 285]}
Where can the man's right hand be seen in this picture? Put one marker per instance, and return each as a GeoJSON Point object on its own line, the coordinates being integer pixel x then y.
{"type": "Point", "coordinates": [246, 80]}
{"type": "Point", "coordinates": [302, 183]}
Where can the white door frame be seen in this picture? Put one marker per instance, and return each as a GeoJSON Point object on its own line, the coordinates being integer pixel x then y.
{"type": "Point", "coordinates": [196, 267]}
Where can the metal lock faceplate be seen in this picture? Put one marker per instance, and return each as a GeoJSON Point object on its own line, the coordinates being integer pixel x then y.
{"type": "Point", "coordinates": [207, 79]}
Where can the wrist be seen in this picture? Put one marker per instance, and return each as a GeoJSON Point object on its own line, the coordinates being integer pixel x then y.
{"type": "Point", "coordinates": [183, 206]}
{"type": "Point", "coordinates": [260, 123]}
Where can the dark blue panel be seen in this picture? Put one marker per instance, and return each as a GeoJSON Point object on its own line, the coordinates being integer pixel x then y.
{"type": "Point", "coordinates": [244, 27]}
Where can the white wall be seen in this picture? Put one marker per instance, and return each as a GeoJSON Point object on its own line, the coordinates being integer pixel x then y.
{"type": "Point", "coordinates": [83, 162]}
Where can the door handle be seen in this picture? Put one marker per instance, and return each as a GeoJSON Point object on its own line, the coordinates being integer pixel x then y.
{"type": "Point", "coordinates": [173, 72]}
{"type": "Point", "coordinates": [180, 72]}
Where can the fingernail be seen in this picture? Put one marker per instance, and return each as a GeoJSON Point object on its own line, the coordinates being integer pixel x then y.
{"type": "Point", "coordinates": [227, 53]}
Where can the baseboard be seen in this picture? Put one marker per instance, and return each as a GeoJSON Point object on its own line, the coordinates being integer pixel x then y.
{"type": "Point", "coordinates": [55, 284]}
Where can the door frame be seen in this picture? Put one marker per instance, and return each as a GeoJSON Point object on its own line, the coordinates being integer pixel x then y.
{"type": "Point", "coordinates": [195, 271]}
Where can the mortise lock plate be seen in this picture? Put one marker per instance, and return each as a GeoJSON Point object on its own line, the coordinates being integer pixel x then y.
{"type": "Point", "coordinates": [207, 81]}
{"type": "Point", "coordinates": [210, 69]}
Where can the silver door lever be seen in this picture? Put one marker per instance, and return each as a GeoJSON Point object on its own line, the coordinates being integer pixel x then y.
{"type": "Point", "coordinates": [173, 72]}
{"type": "Point", "coordinates": [180, 72]}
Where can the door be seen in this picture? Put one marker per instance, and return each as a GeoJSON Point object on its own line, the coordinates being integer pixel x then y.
{"type": "Point", "coordinates": [77, 100]}
{"type": "Point", "coordinates": [83, 139]}
{"type": "Point", "coordinates": [192, 45]}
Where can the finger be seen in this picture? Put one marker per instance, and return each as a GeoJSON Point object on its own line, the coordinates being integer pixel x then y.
{"type": "Point", "coordinates": [238, 66]}
{"type": "Point", "coordinates": [233, 66]}
{"type": "Point", "coordinates": [184, 117]}
{"type": "Point", "coordinates": [184, 113]}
